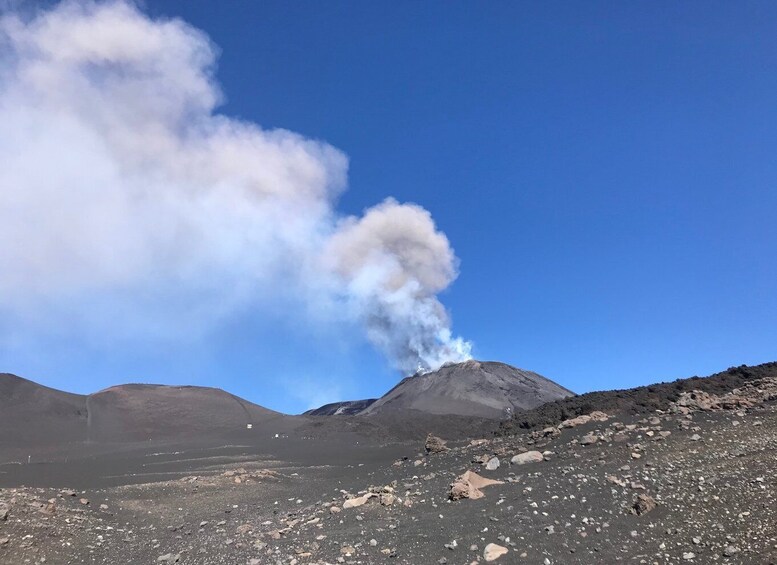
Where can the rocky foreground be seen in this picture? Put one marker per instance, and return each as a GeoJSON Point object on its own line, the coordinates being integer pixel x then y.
{"type": "Point", "coordinates": [694, 483]}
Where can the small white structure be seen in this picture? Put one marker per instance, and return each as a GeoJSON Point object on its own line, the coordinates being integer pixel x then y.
{"type": "Point", "coordinates": [249, 426]}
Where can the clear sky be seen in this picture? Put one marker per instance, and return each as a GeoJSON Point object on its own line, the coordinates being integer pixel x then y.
{"type": "Point", "coordinates": [604, 171]}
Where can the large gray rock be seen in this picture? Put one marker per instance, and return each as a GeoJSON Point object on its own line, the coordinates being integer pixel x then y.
{"type": "Point", "coordinates": [527, 457]}
{"type": "Point", "coordinates": [492, 552]}
{"type": "Point", "coordinates": [435, 444]}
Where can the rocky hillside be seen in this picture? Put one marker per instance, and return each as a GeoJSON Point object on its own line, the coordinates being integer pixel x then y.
{"type": "Point", "coordinates": [636, 401]}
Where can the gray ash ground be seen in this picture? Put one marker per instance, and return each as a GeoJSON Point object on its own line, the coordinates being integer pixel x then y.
{"type": "Point", "coordinates": [711, 474]}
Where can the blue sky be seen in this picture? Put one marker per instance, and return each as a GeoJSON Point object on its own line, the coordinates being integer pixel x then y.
{"type": "Point", "coordinates": [604, 171]}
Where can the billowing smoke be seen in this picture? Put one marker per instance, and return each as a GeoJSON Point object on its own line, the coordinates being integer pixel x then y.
{"type": "Point", "coordinates": [129, 205]}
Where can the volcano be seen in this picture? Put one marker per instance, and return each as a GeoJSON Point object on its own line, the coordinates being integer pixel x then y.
{"type": "Point", "coordinates": [472, 388]}
{"type": "Point", "coordinates": [480, 389]}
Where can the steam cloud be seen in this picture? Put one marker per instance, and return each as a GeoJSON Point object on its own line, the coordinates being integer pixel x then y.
{"type": "Point", "coordinates": [122, 188]}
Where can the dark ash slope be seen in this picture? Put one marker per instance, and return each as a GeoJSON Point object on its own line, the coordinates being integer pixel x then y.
{"type": "Point", "coordinates": [139, 412]}
{"type": "Point", "coordinates": [32, 414]}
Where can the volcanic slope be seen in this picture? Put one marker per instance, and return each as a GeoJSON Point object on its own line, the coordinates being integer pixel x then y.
{"type": "Point", "coordinates": [140, 412]}
{"type": "Point", "coordinates": [32, 414]}
{"type": "Point", "coordinates": [473, 388]}
{"type": "Point", "coordinates": [344, 408]}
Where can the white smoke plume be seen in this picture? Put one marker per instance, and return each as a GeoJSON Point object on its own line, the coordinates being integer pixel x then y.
{"type": "Point", "coordinates": [128, 204]}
